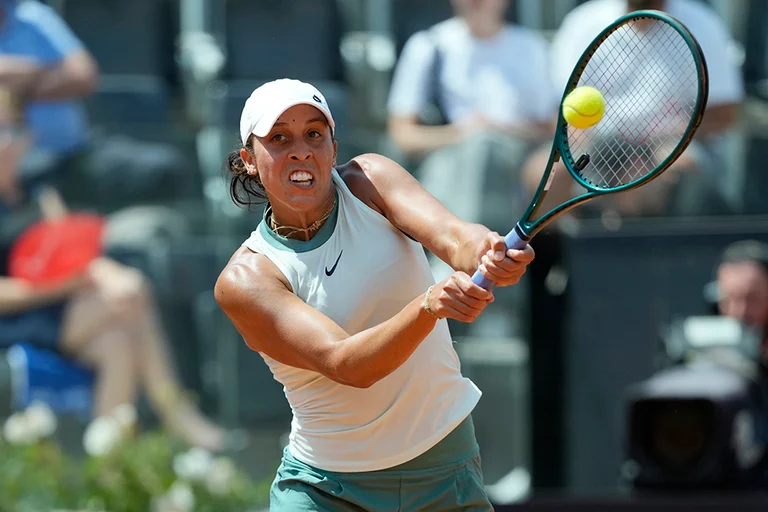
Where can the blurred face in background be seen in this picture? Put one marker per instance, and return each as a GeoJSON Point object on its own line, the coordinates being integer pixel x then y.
{"type": "Point", "coordinates": [744, 293]}
{"type": "Point", "coordinates": [642, 5]}
{"type": "Point", "coordinates": [481, 10]}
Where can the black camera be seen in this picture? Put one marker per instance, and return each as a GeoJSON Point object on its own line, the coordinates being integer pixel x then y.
{"type": "Point", "coordinates": [699, 422]}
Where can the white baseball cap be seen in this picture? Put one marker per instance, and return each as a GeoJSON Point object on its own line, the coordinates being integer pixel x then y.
{"type": "Point", "coordinates": [268, 102]}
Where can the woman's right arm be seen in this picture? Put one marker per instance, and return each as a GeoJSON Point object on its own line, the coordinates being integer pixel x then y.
{"type": "Point", "coordinates": [274, 321]}
{"type": "Point", "coordinates": [18, 296]}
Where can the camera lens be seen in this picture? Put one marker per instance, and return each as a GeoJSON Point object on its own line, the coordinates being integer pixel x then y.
{"type": "Point", "coordinates": [675, 434]}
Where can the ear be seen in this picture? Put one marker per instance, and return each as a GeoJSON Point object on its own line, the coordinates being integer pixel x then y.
{"type": "Point", "coordinates": [335, 150]}
{"type": "Point", "coordinates": [249, 161]}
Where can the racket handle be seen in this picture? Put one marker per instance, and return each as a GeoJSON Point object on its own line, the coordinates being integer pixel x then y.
{"type": "Point", "coordinates": [513, 240]}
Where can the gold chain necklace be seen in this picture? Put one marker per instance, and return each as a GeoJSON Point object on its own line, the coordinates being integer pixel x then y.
{"type": "Point", "coordinates": [293, 230]}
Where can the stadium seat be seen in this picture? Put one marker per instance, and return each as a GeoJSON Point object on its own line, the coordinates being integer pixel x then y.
{"type": "Point", "coordinates": [126, 38]}
{"type": "Point", "coordinates": [136, 72]}
{"type": "Point", "coordinates": [411, 16]}
{"type": "Point", "coordinates": [335, 94]}
{"type": "Point", "coordinates": [756, 50]}
{"type": "Point", "coordinates": [272, 39]}
{"type": "Point", "coordinates": [269, 39]}
{"type": "Point", "coordinates": [204, 339]}
{"type": "Point", "coordinates": [130, 100]}
{"type": "Point", "coordinates": [755, 179]}
{"type": "Point", "coordinates": [236, 377]}
{"type": "Point", "coordinates": [181, 270]}
{"type": "Point", "coordinates": [39, 375]}
{"type": "Point", "coordinates": [184, 267]}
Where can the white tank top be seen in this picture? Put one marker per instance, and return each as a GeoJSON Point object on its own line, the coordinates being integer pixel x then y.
{"type": "Point", "coordinates": [359, 270]}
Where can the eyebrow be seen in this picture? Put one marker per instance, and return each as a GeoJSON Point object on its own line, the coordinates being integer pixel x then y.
{"type": "Point", "coordinates": [319, 119]}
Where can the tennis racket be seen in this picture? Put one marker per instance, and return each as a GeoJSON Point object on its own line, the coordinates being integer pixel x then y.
{"type": "Point", "coordinates": [653, 76]}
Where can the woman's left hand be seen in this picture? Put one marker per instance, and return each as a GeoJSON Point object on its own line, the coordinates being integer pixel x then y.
{"type": "Point", "coordinates": [503, 267]}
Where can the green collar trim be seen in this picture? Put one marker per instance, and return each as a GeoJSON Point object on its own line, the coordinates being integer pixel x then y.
{"type": "Point", "coordinates": [299, 246]}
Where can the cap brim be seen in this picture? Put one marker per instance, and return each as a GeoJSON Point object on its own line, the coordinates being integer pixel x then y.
{"type": "Point", "coordinates": [267, 121]}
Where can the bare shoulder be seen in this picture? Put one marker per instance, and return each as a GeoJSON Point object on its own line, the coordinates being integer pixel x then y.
{"type": "Point", "coordinates": [371, 176]}
{"type": "Point", "coordinates": [248, 278]}
{"type": "Point", "coordinates": [272, 320]}
{"type": "Point", "coordinates": [376, 167]}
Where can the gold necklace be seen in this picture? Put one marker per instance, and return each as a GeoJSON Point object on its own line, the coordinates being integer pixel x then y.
{"type": "Point", "coordinates": [292, 229]}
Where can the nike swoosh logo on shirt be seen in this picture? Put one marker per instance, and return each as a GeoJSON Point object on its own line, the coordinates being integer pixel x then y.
{"type": "Point", "coordinates": [329, 273]}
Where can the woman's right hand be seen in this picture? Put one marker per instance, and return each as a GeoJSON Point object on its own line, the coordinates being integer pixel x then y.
{"type": "Point", "coordinates": [459, 298]}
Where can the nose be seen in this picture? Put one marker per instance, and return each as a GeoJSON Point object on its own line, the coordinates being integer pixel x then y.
{"type": "Point", "coordinates": [300, 151]}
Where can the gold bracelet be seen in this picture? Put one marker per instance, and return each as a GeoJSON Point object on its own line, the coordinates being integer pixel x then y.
{"type": "Point", "coordinates": [426, 303]}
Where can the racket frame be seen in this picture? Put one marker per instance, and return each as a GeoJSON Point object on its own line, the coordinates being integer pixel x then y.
{"type": "Point", "coordinates": [526, 228]}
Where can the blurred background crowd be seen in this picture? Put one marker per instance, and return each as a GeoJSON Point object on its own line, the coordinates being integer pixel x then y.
{"type": "Point", "coordinates": [631, 355]}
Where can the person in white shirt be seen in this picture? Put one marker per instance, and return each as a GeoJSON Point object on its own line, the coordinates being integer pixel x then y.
{"type": "Point", "coordinates": [704, 159]}
{"type": "Point", "coordinates": [488, 81]}
{"type": "Point", "coordinates": [726, 88]}
{"type": "Point", "coordinates": [483, 73]}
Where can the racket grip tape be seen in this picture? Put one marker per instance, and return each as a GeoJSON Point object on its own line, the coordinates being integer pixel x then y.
{"type": "Point", "coordinates": [514, 240]}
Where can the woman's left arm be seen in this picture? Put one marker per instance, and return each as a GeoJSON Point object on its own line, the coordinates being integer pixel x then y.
{"type": "Point", "coordinates": [388, 188]}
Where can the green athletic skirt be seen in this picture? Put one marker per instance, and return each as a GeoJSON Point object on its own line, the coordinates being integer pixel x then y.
{"type": "Point", "coordinates": [448, 477]}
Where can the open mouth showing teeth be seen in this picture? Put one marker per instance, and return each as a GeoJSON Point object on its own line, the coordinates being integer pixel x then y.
{"type": "Point", "coordinates": [301, 177]}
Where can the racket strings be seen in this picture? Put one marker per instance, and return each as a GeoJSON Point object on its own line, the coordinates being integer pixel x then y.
{"type": "Point", "coordinates": [649, 79]}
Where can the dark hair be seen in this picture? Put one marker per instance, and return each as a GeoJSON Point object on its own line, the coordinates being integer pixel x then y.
{"type": "Point", "coordinates": [244, 189]}
{"type": "Point", "coordinates": [746, 251]}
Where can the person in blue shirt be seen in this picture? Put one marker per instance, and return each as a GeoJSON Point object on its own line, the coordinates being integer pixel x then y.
{"type": "Point", "coordinates": [44, 62]}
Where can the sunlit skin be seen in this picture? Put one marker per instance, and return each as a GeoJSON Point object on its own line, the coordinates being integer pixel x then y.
{"type": "Point", "coordinates": [300, 140]}
{"type": "Point", "coordinates": [483, 17]}
{"type": "Point", "coordinates": [13, 145]}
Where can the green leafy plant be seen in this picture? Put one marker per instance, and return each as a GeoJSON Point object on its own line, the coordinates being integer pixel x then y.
{"type": "Point", "coordinates": [122, 472]}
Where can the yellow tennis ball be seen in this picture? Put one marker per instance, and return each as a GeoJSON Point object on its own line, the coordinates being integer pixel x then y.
{"type": "Point", "coordinates": [584, 107]}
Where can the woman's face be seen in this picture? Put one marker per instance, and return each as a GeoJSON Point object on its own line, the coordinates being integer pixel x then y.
{"type": "Point", "coordinates": [294, 161]}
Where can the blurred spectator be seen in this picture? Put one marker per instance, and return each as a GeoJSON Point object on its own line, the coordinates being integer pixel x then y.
{"type": "Point", "coordinates": [691, 187]}
{"type": "Point", "coordinates": [742, 294]}
{"type": "Point", "coordinates": [489, 81]}
{"type": "Point", "coordinates": [726, 88]}
{"type": "Point", "coordinates": [45, 63]}
{"type": "Point", "coordinates": [742, 286]}
{"type": "Point", "coordinates": [105, 318]}
{"type": "Point", "coordinates": [42, 61]}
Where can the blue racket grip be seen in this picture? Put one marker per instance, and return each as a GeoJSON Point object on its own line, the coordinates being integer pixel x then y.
{"type": "Point", "coordinates": [513, 241]}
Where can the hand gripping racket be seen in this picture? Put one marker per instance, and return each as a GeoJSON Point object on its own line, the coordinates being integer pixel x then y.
{"type": "Point", "coordinates": [653, 76]}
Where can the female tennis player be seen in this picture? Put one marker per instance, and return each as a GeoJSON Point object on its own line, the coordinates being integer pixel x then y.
{"type": "Point", "coordinates": [333, 289]}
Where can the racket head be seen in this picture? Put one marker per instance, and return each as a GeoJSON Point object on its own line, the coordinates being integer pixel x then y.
{"type": "Point", "coordinates": [50, 251]}
{"type": "Point", "coordinates": [649, 120]}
